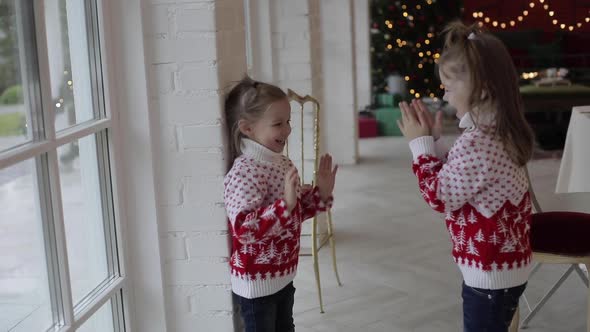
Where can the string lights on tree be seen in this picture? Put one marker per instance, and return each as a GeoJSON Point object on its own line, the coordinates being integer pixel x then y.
{"type": "Point", "coordinates": [404, 42]}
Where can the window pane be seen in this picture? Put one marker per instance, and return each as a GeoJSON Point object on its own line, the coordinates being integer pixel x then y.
{"type": "Point", "coordinates": [83, 215]}
{"type": "Point", "coordinates": [101, 321]}
{"type": "Point", "coordinates": [13, 111]}
{"type": "Point", "coordinates": [69, 62]}
{"type": "Point", "coordinates": [24, 291]}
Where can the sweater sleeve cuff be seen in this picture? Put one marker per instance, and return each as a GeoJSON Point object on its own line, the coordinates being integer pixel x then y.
{"type": "Point", "coordinates": [322, 205]}
{"type": "Point", "coordinates": [283, 212]}
{"type": "Point", "coordinates": [423, 145]}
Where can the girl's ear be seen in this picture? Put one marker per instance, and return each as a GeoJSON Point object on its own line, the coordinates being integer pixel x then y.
{"type": "Point", "coordinates": [245, 127]}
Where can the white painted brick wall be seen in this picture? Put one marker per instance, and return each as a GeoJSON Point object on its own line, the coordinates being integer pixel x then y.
{"type": "Point", "coordinates": [262, 58]}
{"type": "Point", "coordinates": [362, 52]}
{"type": "Point", "coordinates": [198, 271]}
{"type": "Point", "coordinates": [297, 72]}
{"type": "Point", "coordinates": [208, 244]}
{"type": "Point", "coordinates": [293, 55]}
{"type": "Point", "coordinates": [184, 108]}
{"type": "Point", "coordinates": [174, 246]}
{"type": "Point", "coordinates": [197, 217]}
{"type": "Point", "coordinates": [210, 299]}
{"type": "Point", "coordinates": [338, 68]}
{"type": "Point", "coordinates": [181, 163]}
{"type": "Point", "coordinates": [182, 48]}
{"type": "Point", "coordinates": [163, 76]}
{"type": "Point", "coordinates": [158, 16]}
{"type": "Point", "coordinates": [200, 136]}
{"type": "Point", "coordinates": [195, 17]}
{"type": "Point", "coordinates": [316, 50]}
{"type": "Point", "coordinates": [292, 45]}
{"type": "Point", "coordinates": [297, 57]}
{"type": "Point", "coordinates": [294, 8]}
{"type": "Point", "coordinates": [196, 49]}
{"type": "Point", "coordinates": [205, 307]}
{"type": "Point", "coordinates": [191, 76]}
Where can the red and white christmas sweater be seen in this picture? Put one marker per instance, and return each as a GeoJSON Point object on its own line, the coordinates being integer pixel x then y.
{"type": "Point", "coordinates": [484, 196]}
{"type": "Point", "coordinates": [265, 236]}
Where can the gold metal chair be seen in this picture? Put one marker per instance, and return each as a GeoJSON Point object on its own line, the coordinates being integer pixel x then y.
{"type": "Point", "coordinates": [315, 246]}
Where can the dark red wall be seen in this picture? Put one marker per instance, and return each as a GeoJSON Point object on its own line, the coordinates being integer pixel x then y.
{"type": "Point", "coordinates": [566, 11]}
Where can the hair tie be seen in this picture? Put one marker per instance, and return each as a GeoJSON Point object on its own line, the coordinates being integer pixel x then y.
{"type": "Point", "coordinates": [471, 36]}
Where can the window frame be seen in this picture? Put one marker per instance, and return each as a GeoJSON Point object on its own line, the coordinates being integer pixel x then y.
{"type": "Point", "coordinates": [42, 147]}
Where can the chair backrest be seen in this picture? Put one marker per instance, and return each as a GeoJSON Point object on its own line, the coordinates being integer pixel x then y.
{"type": "Point", "coordinates": [302, 154]}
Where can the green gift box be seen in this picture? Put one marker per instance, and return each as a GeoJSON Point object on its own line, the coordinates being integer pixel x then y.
{"type": "Point", "coordinates": [387, 121]}
{"type": "Point", "coordinates": [388, 100]}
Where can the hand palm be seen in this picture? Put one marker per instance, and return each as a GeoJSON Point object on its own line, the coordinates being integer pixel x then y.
{"type": "Point", "coordinates": [434, 123]}
{"type": "Point", "coordinates": [326, 176]}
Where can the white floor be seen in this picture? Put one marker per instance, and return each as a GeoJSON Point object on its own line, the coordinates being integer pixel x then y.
{"type": "Point", "coordinates": [394, 257]}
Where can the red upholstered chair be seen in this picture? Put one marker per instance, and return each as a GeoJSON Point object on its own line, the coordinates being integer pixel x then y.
{"type": "Point", "coordinates": [559, 237]}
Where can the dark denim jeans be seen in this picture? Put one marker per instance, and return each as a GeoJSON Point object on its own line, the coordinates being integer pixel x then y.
{"type": "Point", "coordinates": [487, 310]}
{"type": "Point", "coordinates": [273, 313]}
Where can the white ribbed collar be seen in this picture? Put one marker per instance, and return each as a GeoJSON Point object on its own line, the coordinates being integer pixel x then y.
{"type": "Point", "coordinates": [258, 151]}
{"type": "Point", "coordinates": [486, 119]}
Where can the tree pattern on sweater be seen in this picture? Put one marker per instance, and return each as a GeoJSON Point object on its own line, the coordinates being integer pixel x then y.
{"type": "Point", "coordinates": [265, 236]}
{"type": "Point", "coordinates": [485, 199]}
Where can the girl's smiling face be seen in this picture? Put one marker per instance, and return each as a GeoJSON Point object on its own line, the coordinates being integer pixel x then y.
{"type": "Point", "coordinates": [274, 127]}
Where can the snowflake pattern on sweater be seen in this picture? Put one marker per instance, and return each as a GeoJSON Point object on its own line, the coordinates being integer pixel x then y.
{"type": "Point", "coordinates": [265, 236]}
{"type": "Point", "coordinates": [486, 203]}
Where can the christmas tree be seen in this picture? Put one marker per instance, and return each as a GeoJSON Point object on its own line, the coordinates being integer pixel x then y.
{"type": "Point", "coordinates": [405, 41]}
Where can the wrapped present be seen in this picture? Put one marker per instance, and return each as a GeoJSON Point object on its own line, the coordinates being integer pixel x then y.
{"type": "Point", "coordinates": [388, 100]}
{"type": "Point", "coordinates": [367, 127]}
{"type": "Point", "coordinates": [387, 121]}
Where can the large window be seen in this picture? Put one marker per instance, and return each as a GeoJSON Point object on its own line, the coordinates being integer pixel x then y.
{"type": "Point", "coordinates": [60, 258]}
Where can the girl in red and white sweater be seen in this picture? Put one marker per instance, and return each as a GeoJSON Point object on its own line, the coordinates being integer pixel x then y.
{"type": "Point", "coordinates": [481, 184]}
{"type": "Point", "coordinates": [265, 205]}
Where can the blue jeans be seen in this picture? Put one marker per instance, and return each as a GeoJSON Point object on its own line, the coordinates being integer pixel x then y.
{"type": "Point", "coordinates": [272, 313]}
{"type": "Point", "coordinates": [489, 310]}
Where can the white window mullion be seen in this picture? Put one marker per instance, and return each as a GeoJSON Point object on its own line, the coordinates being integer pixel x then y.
{"type": "Point", "coordinates": [41, 60]}
{"type": "Point", "coordinates": [25, 16]}
{"type": "Point", "coordinates": [105, 29]}
{"type": "Point", "coordinates": [107, 294]}
{"type": "Point", "coordinates": [104, 169]}
{"type": "Point", "coordinates": [58, 241]}
{"type": "Point", "coordinates": [122, 304]}
{"type": "Point", "coordinates": [51, 252]}
{"type": "Point", "coordinates": [48, 117]}
{"type": "Point", "coordinates": [60, 238]}
{"type": "Point", "coordinates": [111, 146]}
{"type": "Point", "coordinates": [78, 41]}
{"type": "Point", "coordinates": [82, 130]}
{"type": "Point", "coordinates": [30, 150]}
{"type": "Point", "coordinates": [22, 153]}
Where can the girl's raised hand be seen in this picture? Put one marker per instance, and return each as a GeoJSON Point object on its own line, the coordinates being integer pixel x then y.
{"type": "Point", "coordinates": [435, 124]}
{"type": "Point", "coordinates": [414, 123]}
{"type": "Point", "coordinates": [326, 177]}
{"type": "Point", "coordinates": [291, 186]}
